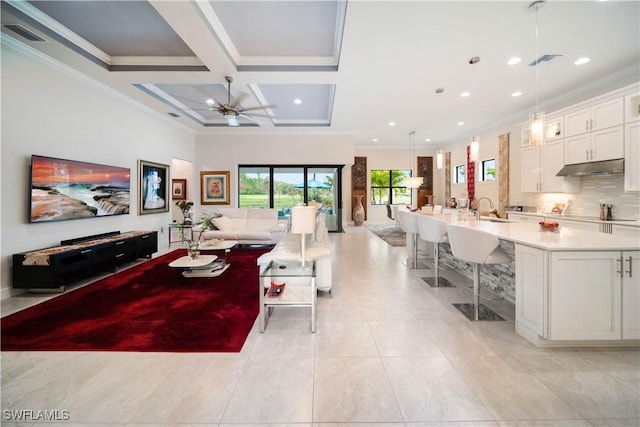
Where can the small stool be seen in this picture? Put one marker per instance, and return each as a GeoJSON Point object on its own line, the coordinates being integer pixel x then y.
{"type": "Point", "coordinates": [477, 247]}
{"type": "Point", "coordinates": [435, 231]}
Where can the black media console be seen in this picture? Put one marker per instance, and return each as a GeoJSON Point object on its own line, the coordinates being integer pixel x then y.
{"type": "Point", "coordinates": [74, 259]}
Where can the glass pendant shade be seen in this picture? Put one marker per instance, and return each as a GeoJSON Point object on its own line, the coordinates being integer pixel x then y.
{"type": "Point", "coordinates": [536, 131]}
{"type": "Point", "coordinates": [439, 159]}
{"type": "Point", "coordinates": [475, 148]}
{"type": "Point", "coordinates": [413, 181]}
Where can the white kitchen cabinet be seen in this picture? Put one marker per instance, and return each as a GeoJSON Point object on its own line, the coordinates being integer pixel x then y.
{"type": "Point", "coordinates": [553, 128]}
{"type": "Point", "coordinates": [581, 225]}
{"type": "Point", "coordinates": [597, 117]}
{"type": "Point", "coordinates": [538, 168]}
{"type": "Point", "coordinates": [625, 230]}
{"type": "Point", "coordinates": [531, 269]}
{"type": "Point", "coordinates": [595, 146]}
{"type": "Point", "coordinates": [533, 219]}
{"type": "Point", "coordinates": [630, 295]}
{"type": "Point", "coordinates": [632, 108]}
{"type": "Point", "coordinates": [632, 156]}
{"type": "Point", "coordinates": [585, 296]}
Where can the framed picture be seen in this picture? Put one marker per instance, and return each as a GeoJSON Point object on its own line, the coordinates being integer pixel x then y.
{"type": "Point", "coordinates": [153, 187]}
{"type": "Point", "coordinates": [179, 189]}
{"type": "Point", "coordinates": [214, 188]}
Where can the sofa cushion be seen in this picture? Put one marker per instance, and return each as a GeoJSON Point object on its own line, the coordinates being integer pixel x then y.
{"type": "Point", "coordinates": [224, 223]}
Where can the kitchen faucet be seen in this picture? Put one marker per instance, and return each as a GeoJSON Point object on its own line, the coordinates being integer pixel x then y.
{"type": "Point", "coordinates": [476, 206]}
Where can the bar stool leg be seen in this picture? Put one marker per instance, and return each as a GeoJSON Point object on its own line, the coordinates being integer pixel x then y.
{"type": "Point", "coordinates": [476, 291]}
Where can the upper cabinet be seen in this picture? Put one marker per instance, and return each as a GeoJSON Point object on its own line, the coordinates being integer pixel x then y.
{"type": "Point", "coordinates": [595, 133]}
{"type": "Point", "coordinates": [632, 108]}
{"type": "Point", "coordinates": [632, 156]}
{"type": "Point", "coordinates": [601, 116]}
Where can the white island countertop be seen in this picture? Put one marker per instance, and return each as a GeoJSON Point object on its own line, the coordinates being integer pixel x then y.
{"type": "Point", "coordinates": [565, 239]}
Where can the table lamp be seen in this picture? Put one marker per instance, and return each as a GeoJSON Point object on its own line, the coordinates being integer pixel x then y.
{"type": "Point", "coordinates": [303, 221]}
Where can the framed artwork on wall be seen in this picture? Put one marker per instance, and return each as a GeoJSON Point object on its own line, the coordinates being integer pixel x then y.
{"type": "Point", "coordinates": [179, 189]}
{"type": "Point", "coordinates": [214, 188]}
{"type": "Point", "coordinates": [153, 187]}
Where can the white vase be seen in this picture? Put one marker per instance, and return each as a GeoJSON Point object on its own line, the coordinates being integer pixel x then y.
{"type": "Point", "coordinates": [358, 211]}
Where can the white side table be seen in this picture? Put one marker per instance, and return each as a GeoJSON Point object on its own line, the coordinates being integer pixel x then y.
{"type": "Point", "coordinates": [299, 291]}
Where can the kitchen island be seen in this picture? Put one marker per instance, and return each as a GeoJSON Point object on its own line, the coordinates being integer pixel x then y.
{"type": "Point", "coordinates": [573, 287]}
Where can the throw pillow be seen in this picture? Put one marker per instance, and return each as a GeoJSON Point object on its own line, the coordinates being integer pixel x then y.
{"type": "Point", "coordinates": [223, 223]}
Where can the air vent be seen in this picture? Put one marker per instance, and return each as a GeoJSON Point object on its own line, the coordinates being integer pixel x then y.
{"type": "Point", "coordinates": [545, 58]}
{"type": "Point", "coordinates": [22, 31]}
{"type": "Point", "coordinates": [173, 115]}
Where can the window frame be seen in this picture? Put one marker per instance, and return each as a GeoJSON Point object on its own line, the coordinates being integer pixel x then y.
{"type": "Point", "coordinates": [389, 187]}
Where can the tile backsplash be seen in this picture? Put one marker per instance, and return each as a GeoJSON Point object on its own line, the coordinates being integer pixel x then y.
{"type": "Point", "coordinates": [595, 190]}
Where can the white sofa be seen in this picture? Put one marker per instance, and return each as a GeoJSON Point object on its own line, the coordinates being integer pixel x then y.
{"type": "Point", "coordinates": [317, 247]}
{"type": "Point", "coordinates": [247, 226]}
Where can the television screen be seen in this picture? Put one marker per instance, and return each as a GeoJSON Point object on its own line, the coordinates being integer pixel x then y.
{"type": "Point", "coordinates": [68, 189]}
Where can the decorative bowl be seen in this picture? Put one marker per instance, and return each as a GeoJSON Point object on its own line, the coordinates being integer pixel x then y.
{"type": "Point", "coordinates": [548, 226]}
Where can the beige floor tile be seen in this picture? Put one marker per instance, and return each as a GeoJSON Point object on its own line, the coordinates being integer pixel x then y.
{"type": "Point", "coordinates": [403, 339]}
{"type": "Point", "coordinates": [353, 390]}
{"type": "Point", "coordinates": [273, 390]}
{"type": "Point", "coordinates": [615, 422]}
{"type": "Point", "coordinates": [430, 389]}
{"type": "Point", "coordinates": [345, 339]}
{"type": "Point", "coordinates": [510, 391]}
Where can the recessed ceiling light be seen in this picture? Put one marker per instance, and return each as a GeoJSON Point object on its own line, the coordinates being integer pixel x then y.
{"type": "Point", "coordinates": [297, 101]}
{"type": "Point", "coordinates": [513, 61]}
{"type": "Point", "coordinates": [582, 60]}
{"type": "Point", "coordinates": [516, 93]}
{"type": "Point", "coordinates": [427, 140]}
{"type": "Point", "coordinates": [392, 123]}
{"type": "Point", "coordinates": [460, 123]}
{"type": "Point", "coordinates": [375, 140]}
{"type": "Point", "coordinates": [465, 94]}
{"type": "Point", "coordinates": [210, 101]}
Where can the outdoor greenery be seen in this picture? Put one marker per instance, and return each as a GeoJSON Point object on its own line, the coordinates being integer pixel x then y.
{"type": "Point", "coordinates": [387, 187]}
{"type": "Point", "coordinates": [254, 192]}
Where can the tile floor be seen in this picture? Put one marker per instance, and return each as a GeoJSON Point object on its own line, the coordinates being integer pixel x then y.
{"type": "Point", "coordinates": [389, 351]}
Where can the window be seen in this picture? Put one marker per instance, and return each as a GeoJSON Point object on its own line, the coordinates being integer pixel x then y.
{"type": "Point", "coordinates": [460, 173]}
{"type": "Point", "coordinates": [253, 187]}
{"type": "Point", "coordinates": [387, 187]}
{"type": "Point", "coordinates": [488, 171]}
{"type": "Point", "coordinates": [284, 186]}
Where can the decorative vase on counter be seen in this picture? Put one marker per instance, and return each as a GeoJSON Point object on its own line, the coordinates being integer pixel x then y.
{"type": "Point", "coordinates": [358, 211]}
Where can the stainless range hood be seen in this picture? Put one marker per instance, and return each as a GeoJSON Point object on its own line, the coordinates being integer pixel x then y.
{"type": "Point", "coordinates": [606, 167]}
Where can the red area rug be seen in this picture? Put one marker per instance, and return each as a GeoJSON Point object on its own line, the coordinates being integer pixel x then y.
{"type": "Point", "coordinates": [149, 307]}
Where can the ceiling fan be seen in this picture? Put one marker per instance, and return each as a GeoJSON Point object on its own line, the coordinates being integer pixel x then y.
{"type": "Point", "coordinates": [231, 112]}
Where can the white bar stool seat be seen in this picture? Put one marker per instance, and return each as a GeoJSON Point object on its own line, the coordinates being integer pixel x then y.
{"type": "Point", "coordinates": [477, 247]}
{"type": "Point", "coordinates": [409, 224]}
{"type": "Point", "coordinates": [434, 231]}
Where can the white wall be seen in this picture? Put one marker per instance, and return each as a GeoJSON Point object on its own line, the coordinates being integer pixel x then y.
{"type": "Point", "coordinates": [225, 153]}
{"type": "Point", "coordinates": [49, 111]}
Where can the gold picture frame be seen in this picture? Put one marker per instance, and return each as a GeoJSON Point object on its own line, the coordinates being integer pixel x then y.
{"type": "Point", "coordinates": [214, 188]}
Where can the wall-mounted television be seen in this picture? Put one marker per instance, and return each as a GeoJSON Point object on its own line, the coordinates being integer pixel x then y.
{"type": "Point", "coordinates": [68, 189]}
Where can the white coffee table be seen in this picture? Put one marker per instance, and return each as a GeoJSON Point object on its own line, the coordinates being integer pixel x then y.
{"type": "Point", "coordinates": [203, 266]}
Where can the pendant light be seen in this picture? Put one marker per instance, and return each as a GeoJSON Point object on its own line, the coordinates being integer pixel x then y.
{"type": "Point", "coordinates": [536, 119]}
{"type": "Point", "coordinates": [475, 141]}
{"type": "Point", "coordinates": [439, 159]}
{"type": "Point", "coordinates": [412, 181]}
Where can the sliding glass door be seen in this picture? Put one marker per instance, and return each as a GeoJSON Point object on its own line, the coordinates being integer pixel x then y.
{"type": "Point", "coordinates": [284, 186]}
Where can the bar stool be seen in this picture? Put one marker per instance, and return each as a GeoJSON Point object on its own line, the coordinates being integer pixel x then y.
{"type": "Point", "coordinates": [435, 231]}
{"type": "Point", "coordinates": [476, 247]}
{"type": "Point", "coordinates": [409, 224]}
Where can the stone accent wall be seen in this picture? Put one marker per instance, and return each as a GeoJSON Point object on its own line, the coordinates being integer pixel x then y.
{"type": "Point", "coordinates": [503, 173]}
{"type": "Point", "coordinates": [499, 278]}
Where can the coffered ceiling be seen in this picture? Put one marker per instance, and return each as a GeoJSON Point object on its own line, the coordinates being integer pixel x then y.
{"type": "Point", "coordinates": [353, 67]}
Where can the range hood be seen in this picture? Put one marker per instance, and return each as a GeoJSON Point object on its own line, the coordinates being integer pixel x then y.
{"type": "Point", "coordinates": [606, 167]}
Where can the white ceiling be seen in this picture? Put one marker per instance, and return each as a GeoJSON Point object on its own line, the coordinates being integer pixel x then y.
{"type": "Point", "coordinates": [355, 65]}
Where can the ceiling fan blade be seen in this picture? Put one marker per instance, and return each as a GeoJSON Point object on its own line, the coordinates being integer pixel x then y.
{"type": "Point", "coordinates": [251, 119]}
{"type": "Point", "coordinates": [241, 97]}
{"type": "Point", "coordinates": [259, 107]}
{"type": "Point", "coordinates": [261, 115]}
